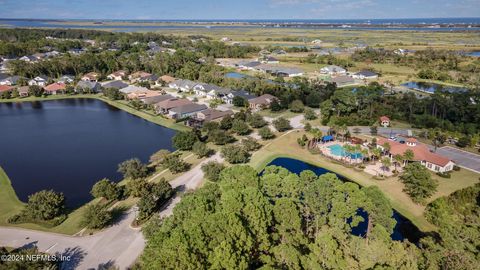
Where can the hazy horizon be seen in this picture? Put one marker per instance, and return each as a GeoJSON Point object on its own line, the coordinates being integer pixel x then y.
{"type": "Point", "coordinates": [238, 10]}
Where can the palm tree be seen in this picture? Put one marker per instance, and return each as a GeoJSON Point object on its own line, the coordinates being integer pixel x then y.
{"type": "Point", "coordinates": [364, 153]}
{"type": "Point", "coordinates": [386, 163]}
{"type": "Point", "coordinates": [386, 147]}
{"type": "Point", "coordinates": [398, 160]}
{"type": "Point", "coordinates": [376, 153]}
{"type": "Point", "coordinates": [409, 155]}
{"type": "Point", "coordinates": [349, 150]}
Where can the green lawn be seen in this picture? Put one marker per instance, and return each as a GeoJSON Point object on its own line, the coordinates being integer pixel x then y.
{"type": "Point", "coordinates": [286, 146]}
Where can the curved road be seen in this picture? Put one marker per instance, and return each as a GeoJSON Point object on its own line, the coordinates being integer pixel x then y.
{"type": "Point", "coordinates": [118, 245]}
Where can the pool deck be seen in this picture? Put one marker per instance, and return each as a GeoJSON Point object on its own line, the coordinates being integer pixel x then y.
{"type": "Point", "coordinates": [324, 147]}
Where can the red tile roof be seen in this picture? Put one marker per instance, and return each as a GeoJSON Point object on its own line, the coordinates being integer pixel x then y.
{"type": "Point", "coordinates": [420, 151]}
{"type": "Point", "coordinates": [55, 87]}
{"type": "Point", "coordinates": [384, 118]}
{"type": "Point", "coordinates": [4, 88]}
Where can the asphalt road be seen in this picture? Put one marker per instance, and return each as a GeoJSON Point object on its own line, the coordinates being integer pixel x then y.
{"type": "Point", "coordinates": [462, 158]}
{"type": "Point", "coordinates": [118, 245]}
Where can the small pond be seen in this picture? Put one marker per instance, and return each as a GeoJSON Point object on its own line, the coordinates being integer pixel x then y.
{"type": "Point", "coordinates": [404, 228]}
{"type": "Point", "coordinates": [432, 87]}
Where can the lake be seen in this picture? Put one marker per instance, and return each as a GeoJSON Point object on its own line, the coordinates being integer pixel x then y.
{"type": "Point", "coordinates": [432, 87]}
{"type": "Point", "coordinates": [404, 229]}
{"type": "Point", "coordinates": [68, 145]}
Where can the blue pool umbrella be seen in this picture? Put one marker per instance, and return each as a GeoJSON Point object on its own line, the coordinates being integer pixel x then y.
{"type": "Point", "coordinates": [327, 138]}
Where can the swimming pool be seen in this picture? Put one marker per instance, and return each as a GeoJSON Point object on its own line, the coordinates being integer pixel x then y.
{"type": "Point", "coordinates": [337, 150]}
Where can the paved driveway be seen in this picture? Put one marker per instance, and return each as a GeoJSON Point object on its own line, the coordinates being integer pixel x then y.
{"type": "Point", "coordinates": [462, 158]}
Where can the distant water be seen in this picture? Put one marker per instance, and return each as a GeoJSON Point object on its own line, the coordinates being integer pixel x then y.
{"type": "Point", "coordinates": [427, 24]}
{"type": "Point", "coordinates": [68, 145]}
{"type": "Point", "coordinates": [432, 87]}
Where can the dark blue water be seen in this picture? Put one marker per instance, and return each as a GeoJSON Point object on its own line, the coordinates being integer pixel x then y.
{"type": "Point", "coordinates": [447, 24]}
{"type": "Point", "coordinates": [68, 145]}
{"type": "Point", "coordinates": [404, 229]}
{"type": "Point", "coordinates": [432, 87]}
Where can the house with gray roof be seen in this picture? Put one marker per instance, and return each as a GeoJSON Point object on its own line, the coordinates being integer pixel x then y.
{"type": "Point", "coordinates": [333, 70]}
{"type": "Point", "coordinates": [66, 79]}
{"type": "Point", "coordinates": [88, 86]}
{"type": "Point", "coordinates": [114, 84]}
{"type": "Point", "coordinates": [344, 80]}
{"type": "Point", "coordinates": [365, 74]}
{"type": "Point", "coordinates": [12, 80]}
{"type": "Point", "coordinates": [39, 80]}
{"type": "Point", "coordinates": [132, 88]}
{"type": "Point", "coordinates": [186, 110]}
{"type": "Point", "coordinates": [182, 85]}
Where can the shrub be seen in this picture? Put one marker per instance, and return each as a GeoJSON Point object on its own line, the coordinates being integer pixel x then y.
{"type": "Point", "coordinates": [201, 149]}
{"type": "Point", "coordinates": [184, 140]}
{"type": "Point", "coordinates": [444, 174]}
{"type": "Point", "coordinates": [282, 124]}
{"type": "Point", "coordinates": [96, 216]}
{"type": "Point", "coordinates": [212, 170]}
{"type": "Point", "coordinates": [133, 168]}
{"type": "Point", "coordinates": [266, 133]}
{"type": "Point", "coordinates": [235, 154]}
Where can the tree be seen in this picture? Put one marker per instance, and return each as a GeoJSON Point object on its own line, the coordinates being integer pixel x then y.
{"type": "Point", "coordinates": [146, 207]}
{"type": "Point", "coordinates": [266, 133]}
{"type": "Point", "coordinates": [374, 130]}
{"type": "Point", "coordinates": [255, 120]}
{"type": "Point", "coordinates": [409, 155]}
{"type": "Point", "coordinates": [212, 170]}
{"type": "Point", "coordinates": [138, 187]}
{"type": "Point", "coordinates": [464, 141]}
{"type": "Point", "coordinates": [35, 91]}
{"type": "Point", "coordinates": [307, 127]}
{"type": "Point", "coordinates": [419, 184]}
{"type": "Point", "coordinates": [175, 164]}
{"type": "Point", "coordinates": [112, 93]}
{"type": "Point", "coordinates": [45, 205]}
{"type": "Point", "coordinates": [397, 160]}
{"type": "Point", "coordinates": [96, 216]}
{"type": "Point", "coordinates": [240, 127]}
{"type": "Point", "coordinates": [158, 157]}
{"type": "Point", "coordinates": [296, 106]}
{"type": "Point", "coordinates": [133, 168]}
{"type": "Point", "coordinates": [220, 137]}
{"type": "Point", "coordinates": [235, 154]}
{"type": "Point", "coordinates": [106, 189]}
{"type": "Point", "coordinates": [184, 140]}
{"type": "Point", "coordinates": [209, 127]}
{"type": "Point", "coordinates": [250, 144]}
{"type": "Point", "coordinates": [275, 106]}
{"type": "Point", "coordinates": [386, 163]}
{"type": "Point", "coordinates": [281, 124]}
{"type": "Point", "coordinates": [239, 101]}
{"type": "Point", "coordinates": [310, 114]}
{"type": "Point", "coordinates": [226, 123]}
{"type": "Point", "coordinates": [201, 149]}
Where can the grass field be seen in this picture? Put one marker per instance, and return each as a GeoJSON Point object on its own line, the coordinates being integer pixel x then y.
{"type": "Point", "coordinates": [286, 146]}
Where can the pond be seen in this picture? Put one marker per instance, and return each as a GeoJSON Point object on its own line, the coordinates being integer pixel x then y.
{"type": "Point", "coordinates": [68, 145]}
{"type": "Point", "coordinates": [237, 75]}
{"type": "Point", "coordinates": [432, 87]}
{"type": "Point", "coordinates": [404, 229]}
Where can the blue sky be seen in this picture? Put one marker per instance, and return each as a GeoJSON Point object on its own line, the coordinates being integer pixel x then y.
{"type": "Point", "coordinates": [238, 9]}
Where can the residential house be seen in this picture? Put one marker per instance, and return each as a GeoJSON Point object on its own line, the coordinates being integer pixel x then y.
{"type": "Point", "coordinates": [67, 79]}
{"type": "Point", "coordinates": [218, 93]}
{"type": "Point", "coordinates": [88, 86]}
{"type": "Point", "coordinates": [91, 77]}
{"type": "Point", "coordinates": [343, 80]}
{"type": "Point", "coordinates": [55, 88]}
{"type": "Point", "coordinates": [52, 54]}
{"type": "Point", "coordinates": [248, 65]}
{"type": "Point", "coordinates": [12, 80]}
{"type": "Point", "coordinates": [23, 91]}
{"type": "Point", "coordinates": [261, 102]}
{"type": "Point", "coordinates": [208, 115]}
{"type": "Point", "coordinates": [202, 89]}
{"type": "Point", "coordinates": [156, 99]}
{"type": "Point", "coordinates": [268, 60]}
{"type": "Point", "coordinates": [164, 79]}
{"type": "Point", "coordinates": [365, 75]}
{"type": "Point", "coordinates": [225, 39]}
{"type": "Point", "coordinates": [187, 110]}
{"type": "Point", "coordinates": [333, 70]}
{"type": "Point", "coordinates": [139, 75]}
{"type": "Point", "coordinates": [285, 72]}
{"type": "Point", "coordinates": [228, 99]}
{"type": "Point", "coordinates": [41, 80]}
{"type": "Point", "coordinates": [316, 41]}
{"type": "Point", "coordinates": [76, 51]}
{"type": "Point", "coordinates": [5, 88]}
{"type": "Point", "coordinates": [143, 94]}
{"type": "Point", "coordinates": [182, 85]}
{"type": "Point", "coordinates": [114, 84]}
{"type": "Point", "coordinates": [278, 52]}
{"type": "Point", "coordinates": [117, 75]}
{"type": "Point", "coordinates": [165, 106]}
{"type": "Point", "coordinates": [132, 88]}
{"type": "Point", "coordinates": [28, 59]}
{"type": "Point", "coordinates": [384, 121]}
{"type": "Point", "coordinates": [421, 152]}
